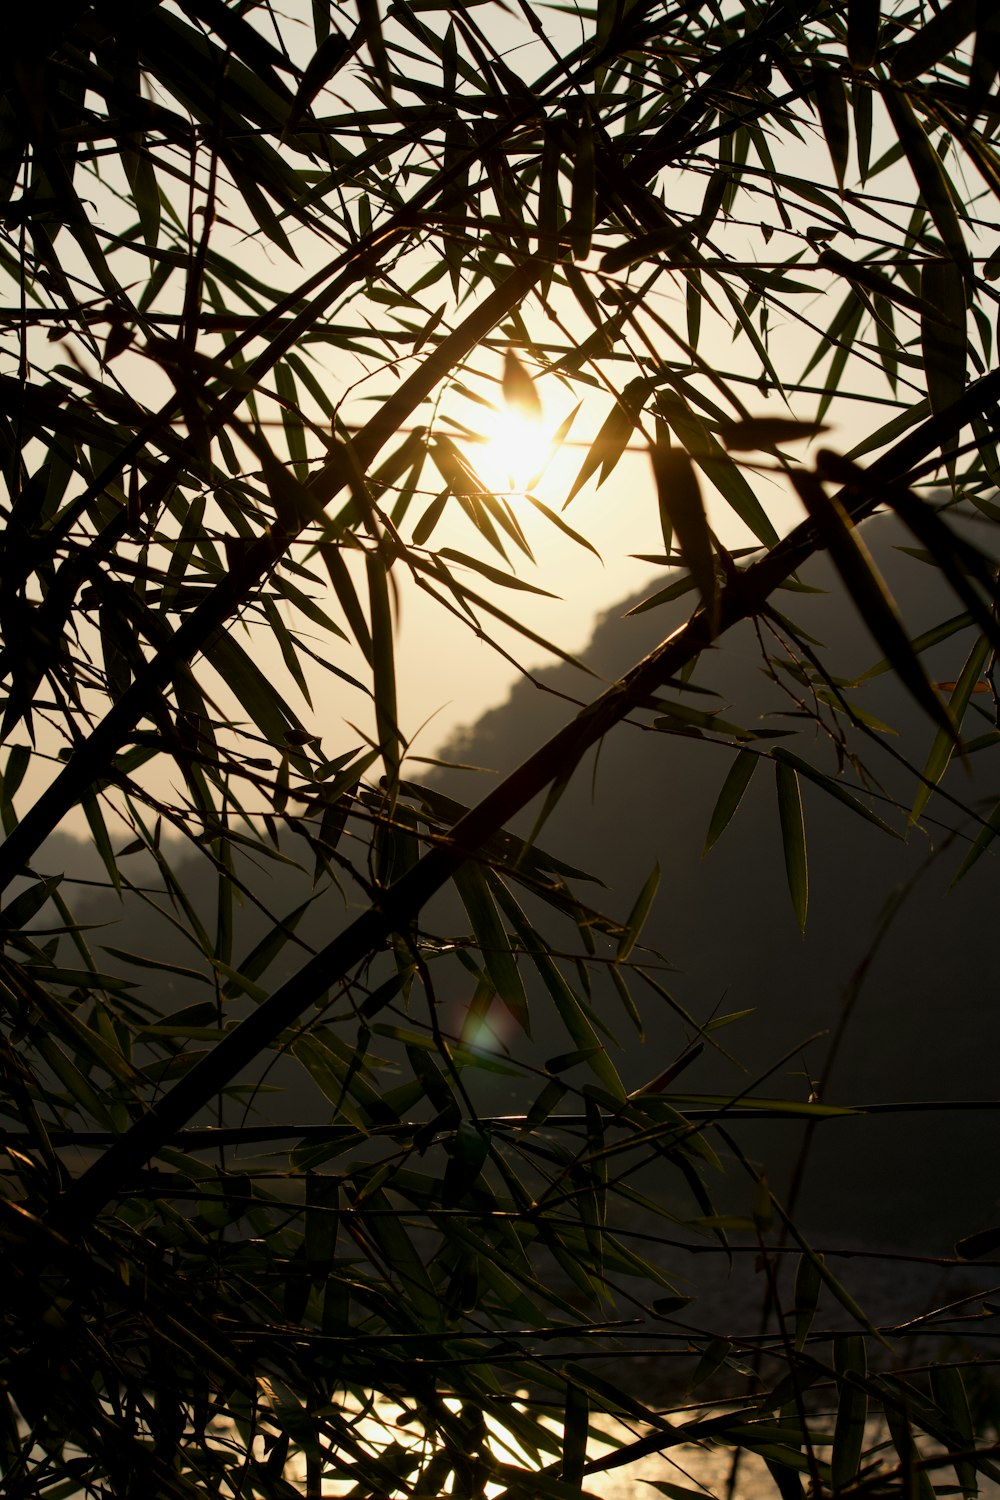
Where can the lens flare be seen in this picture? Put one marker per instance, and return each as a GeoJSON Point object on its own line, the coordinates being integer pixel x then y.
{"type": "Point", "coordinates": [516, 449]}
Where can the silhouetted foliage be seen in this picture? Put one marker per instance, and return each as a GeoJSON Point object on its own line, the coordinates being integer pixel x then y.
{"type": "Point", "coordinates": [263, 271]}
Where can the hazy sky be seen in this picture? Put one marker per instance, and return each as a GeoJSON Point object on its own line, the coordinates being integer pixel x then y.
{"type": "Point", "coordinates": [447, 677]}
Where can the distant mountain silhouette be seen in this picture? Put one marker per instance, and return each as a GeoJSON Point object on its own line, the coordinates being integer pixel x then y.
{"type": "Point", "coordinates": [926, 1024]}
{"type": "Point", "coordinates": [926, 1020]}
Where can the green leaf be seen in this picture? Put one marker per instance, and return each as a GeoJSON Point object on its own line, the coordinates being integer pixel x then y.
{"type": "Point", "coordinates": [102, 840]}
{"type": "Point", "coordinates": [922, 642]}
{"type": "Point", "coordinates": [252, 689]}
{"type": "Point", "coordinates": [735, 785]}
{"type": "Point", "coordinates": [793, 839]}
{"type": "Point", "coordinates": [713, 1357]}
{"type": "Point", "coordinates": [469, 1151]}
{"type": "Point", "coordinates": [572, 1011]}
{"type": "Point", "coordinates": [491, 937]}
{"type": "Point", "coordinates": [833, 787]}
{"type": "Point", "coordinates": [715, 463]}
{"type": "Point", "coordinates": [637, 916]}
{"type": "Point", "coordinates": [333, 51]}
{"type": "Point", "coordinates": [849, 1359]}
{"type": "Point", "coordinates": [987, 833]}
{"type": "Point", "coordinates": [944, 743]}
{"type": "Point", "coordinates": [865, 585]}
{"type": "Point", "coordinates": [370, 26]}
{"type": "Point", "coordinates": [807, 1287]}
{"type": "Point", "coordinates": [950, 1395]}
{"type": "Point", "coordinates": [291, 418]}
{"type": "Point", "coordinates": [666, 241]}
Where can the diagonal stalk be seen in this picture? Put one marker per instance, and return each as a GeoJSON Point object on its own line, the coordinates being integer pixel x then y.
{"type": "Point", "coordinates": [743, 596]}
{"type": "Point", "coordinates": [93, 758]}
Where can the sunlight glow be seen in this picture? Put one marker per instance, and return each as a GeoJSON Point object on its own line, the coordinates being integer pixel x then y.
{"type": "Point", "coordinates": [516, 449]}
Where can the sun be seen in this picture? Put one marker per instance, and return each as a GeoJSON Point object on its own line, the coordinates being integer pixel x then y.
{"type": "Point", "coordinates": [516, 446]}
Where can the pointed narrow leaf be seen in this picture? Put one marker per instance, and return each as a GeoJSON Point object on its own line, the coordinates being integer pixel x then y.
{"type": "Point", "coordinates": [989, 831]}
{"type": "Point", "coordinates": [638, 914]}
{"type": "Point", "coordinates": [832, 786]}
{"type": "Point", "coordinates": [927, 169]}
{"type": "Point", "coordinates": [873, 600]}
{"type": "Point", "coordinates": [493, 942]}
{"type": "Point", "coordinates": [606, 450]}
{"type": "Point", "coordinates": [862, 32]}
{"type": "Point", "coordinates": [519, 389]}
{"type": "Point", "coordinates": [831, 102]}
{"type": "Point", "coordinates": [943, 333]}
{"type": "Point", "coordinates": [944, 744]}
{"type": "Point", "coordinates": [948, 1390]}
{"type": "Point", "coordinates": [793, 839]}
{"type": "Point", "coordinates": [583, 202]}
{"type": "Point", "coordinates": [934, 40]}
{"type": "Point", "coordinates": [572, 1011]}
{"type": "Point", "coordinates": [665, 241]}
{"type": "Point", "coordinates": [576, 1423]}
{"type": "Point", "coordinates": [682, 512]}
{"type": "Point", "coordinates": [383, 665]}
{"type": "Point", "coordinates": [849, 1357]}
{"type": "Point", "coordinates": [731, 795]}
{"type": "Point", "coordinates": [807, 1285]}
{"type": "Point", "coordinates": [751, 433]}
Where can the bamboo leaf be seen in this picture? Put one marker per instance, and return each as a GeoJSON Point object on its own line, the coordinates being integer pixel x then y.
{"type": "Point", "coordinates": [637, 916]}
{"type": "Point", "coordinates": [493, 942]}
{"type": "Point", "coordinates": [932, 41]}
{"type": "Point", "coordinates": [948, 1391]}
{"type": "Point", "coordinates": [793, 839]}
{"type": "Point", "coordinates": [606, 449]}
{"type": "Point", "coordinates": [333, 51]}
{"type": "Point", "coordinates": [832, 787]}
{"type": "Point", "coordinates": [987, 833]}
{"type": "Point", "coordinates": [715, 463]}
{"type": "Point", "coordinates": [750, 433]}
{"type": "Point", "coordinates": [576, 1424]}
{"type": "Point", "coordinates": [850, 1359]}
{"type": "Point", "coordinates": [927, 169]}
{"type": "Point", "coordinates": [571, 1010]}
{"type": "Point", "coordinates": [943, 336]}
{"type": "Point", "coordinates": [383, 665]}
{"type": "Point", "coordinates": [733, 789]}
{"type": "Point", "coordinates": [831, 102]}
{"type": "Point", "coordinates": [807, 1288]}
{"type": "Point", "coordinates": [877, 609]}
{"type": "Point", "coordinates": [583, 205]}
{"type": "Point", "coordinates": [682, 511]}
{"type": "Point", "coordinates": [862, 32]}
{"type": "Point", "coordinates": [943, 747]}
{"type": "Point", "coordinates": [666, 241]}
{"type": "Point", "coordinates": [519, 389]}
{"type": "Point", "coordinates": [370, 26]}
